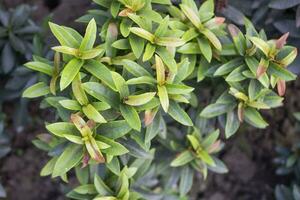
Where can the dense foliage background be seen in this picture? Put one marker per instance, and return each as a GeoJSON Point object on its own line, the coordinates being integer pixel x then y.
{"type": "Point", "coordinates": [266, 154]}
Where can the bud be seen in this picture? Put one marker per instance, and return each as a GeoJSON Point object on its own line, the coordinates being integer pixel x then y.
{"type": "Point", "coordinates": [125, 12]}
{"type": "Point", "coordinates": [91, 124]}
{"type": "Point", "coordinates": [282, 40]}
{"type": "Point", "coordinates": [85, 160]}
{"type": "Point", "coordinates": [214, 147]}
{"type": "Point", "coordinates": [149, 116]}
{"type": "Point", "coordinates": [262, 67]}
{"type": "Point", "coordinates": [241, 112]}
{"type": "Point", "coordinates": [233, 30]}
{"type": "Point", "coordinates": [281, 87]}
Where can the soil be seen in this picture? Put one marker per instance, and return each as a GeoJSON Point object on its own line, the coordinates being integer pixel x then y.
{"type": "Point", "coordinates": [249, 155]}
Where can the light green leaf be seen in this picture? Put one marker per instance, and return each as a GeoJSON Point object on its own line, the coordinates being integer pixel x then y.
{"type": "Point", "coordinates": [69, 72]}
{"type": "Point", "coordinates": [36, 90]}
{"type": "Point", "coordinates": [163, 97]}
{"type": "Point", "coordinates": [182, 159]}
{"type": "Point", "coordinates": [93, 114]}
{"type": "Point", "coordinates": [40, 67]}
{"type": "Point", "coordinates": [141, 99]}
{"type": "Point", "coordinates": [89, 37]}
{"type": "Point", "coordinates": [71, 156]}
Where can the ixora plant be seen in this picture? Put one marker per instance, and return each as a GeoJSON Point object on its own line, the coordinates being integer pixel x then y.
{"type": "Point", "coordinates": [130, 120]}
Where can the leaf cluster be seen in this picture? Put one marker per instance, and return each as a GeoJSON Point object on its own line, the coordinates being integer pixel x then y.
{"type": "Point", "coordinates": [127, 95]}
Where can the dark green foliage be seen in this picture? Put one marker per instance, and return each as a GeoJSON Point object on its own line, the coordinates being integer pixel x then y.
{"type": "Point", "coordinates": [288, 163]}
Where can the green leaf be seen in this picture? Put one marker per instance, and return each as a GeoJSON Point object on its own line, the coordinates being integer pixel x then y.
{"type": "Point", "coordinates": [232, 124]}
{"type": "Point", "coordinates": [228, 67]}
{"type": "Point", "coordinates": [36, 90]}
{"type": "Point", "coordinates": [143, 34]}
{"type": "Point", "coordinates": [206, 10]}
{"type": "Point", "coordinates": [66, 50]}
{"type": "Point", "coordinates": [121, 85]}
{"type": "Point", "coordinates": [141, 99]}
{"type": "Point", "coordinates": [69, 72]}
{"type": "Point", "coordinates": [102, 93]}
{"type": "Point", "coordinates": [212, 38]}
{"type": "Point", "coordinates": [135, 69]}
{"type": "Point", "coordinates": [114, 166]}
{"type": "Point", "coordinates": [178, 89]}
{"type": "Point", "coordinates": [182, 159]}
{"type": "Point", "coordinates": [189, 48]}
{"type": "Point", "coordinates": [253, 117]}
{"type": "Point", "coordinates": [205, 48]}
{"type": "Point", "coordinates": [66, 36]}
{"type": "Point", "coordinates": [236, 75]}
{"type": "Point", "coordinates": [186, 181]}
{"type": "Point", "coordinates": [114, 129]}
{"type": "Point", "coordinates": [131, 116]}
{"type": "Point", "coordinates": [92, 53]}
{"type": "Point", "coordinates": [210, 139]}
{"type": "Point", "coordinates": [121, 44]}
{"type": "Point", "coordinates": [74, 139]}
{"type": "Point", "coordinates": [70, 104]}
{"type": "Point", "coordinates": [141, 80]}
{"type": "Point", "coordinates": [62, 128]}
{"type": "Point", "coordinates": [101, 187]}
{"type": "Point", "coordinates": [215, 109]}
{"type": "Point", "coordinates": [163, 97]}
{"type": "Point", "coordinates": [115, 149]}
{"type": "Point", "coordinates": [238, 39]}
{"type": "Point", "coordinates": [89, 37]}
{"type": "Point", "coordinates": [71, 156]}
{"type": "Point", "coordinates": [261, 44]}
{"type": "Point", "coordinates": [169, 41]}
{"type": "Point", "coordinates": [93, 114]}
{"type": "Point", "coordinates": [177, 113]}
{"type": "Point", "coordinates": [281, 72]}
{"type": "Point", "coordinates": [137, 45]}
{"type": "Point", "coordinates": [191, 15]}
{"type": "Point", "coordinates": [85, 189]}
{"type": "Point", "coordinates": [205, 157]}
{"type": "Point", "coordinates": [40, 67]}
{"type": "Point", "coordinates": [168, 59]}
{"type": "Point", "coordinates": [48, 168]}
{"type": "Point", "coordinates": [149, 51]}
{"type": "Point", "coordinates": [101, 72]}
{"type": "Point", "coordinates": [78, 91]}
{"type": "Point", "coordinates": [163, 27]}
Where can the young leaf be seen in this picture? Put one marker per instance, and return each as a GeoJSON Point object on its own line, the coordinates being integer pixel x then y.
{"type": "Point", "coordinates": [163, 97]}
{"type": "Point", "coordinates": [89, 37]}
{"type": "Point", "coordinates": [69, 72]}
{"type": "Point", "coordinates": [182, 159]}
{"type": "Point", "coordinates": [93, 114]}
{"type": "Point", "coordinates": [137, 100]}
{"type": "Point", "coordinates": [261, 44]}
{"type": "Point", "coordinates": [36, 90]}
{"type": "Point", "coordinates": [71, 156]}
{"type": "Point", "coordinates": [40, 67]}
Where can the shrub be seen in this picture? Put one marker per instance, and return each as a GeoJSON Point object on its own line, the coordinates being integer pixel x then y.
{"type": "Point", "coordinates": [130, 117]}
